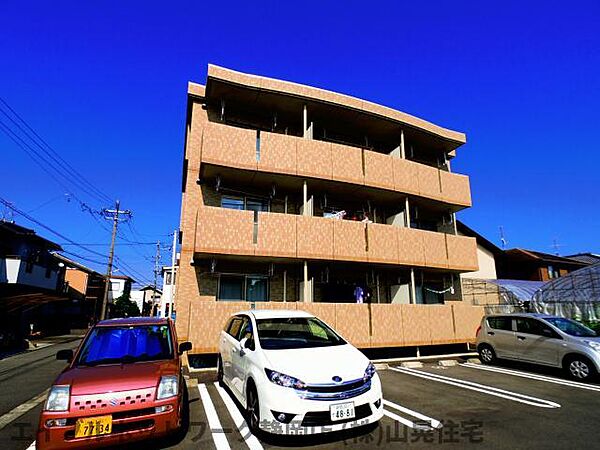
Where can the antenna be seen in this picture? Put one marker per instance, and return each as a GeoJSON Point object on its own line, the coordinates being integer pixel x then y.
{"type": "Point", "coordinates": [502, 238]}
{"type": "Point", "coordinates": [556, 246]}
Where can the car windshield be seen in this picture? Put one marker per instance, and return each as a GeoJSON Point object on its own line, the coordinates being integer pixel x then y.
{"type": "Point", "coordinates": [571, 327]}
{"type": "Point", "coordinates": [295, 332]}
{"type": "Point", "coordinates": [126, 344]}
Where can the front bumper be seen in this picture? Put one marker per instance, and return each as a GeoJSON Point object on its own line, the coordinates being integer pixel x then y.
{"type": "Point", "coordinates": [312, 416]}
{"type": "Point", "coordinates": [138, 425]}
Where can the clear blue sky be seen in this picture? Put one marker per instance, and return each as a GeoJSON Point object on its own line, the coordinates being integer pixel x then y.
{"type": "Point", "coordinates": [105, 85]}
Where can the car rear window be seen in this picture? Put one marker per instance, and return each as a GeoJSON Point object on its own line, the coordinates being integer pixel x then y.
{"type": "Point", "coordinates": [500, 323]}
{"type": "Point", "coordinates": [126, 344]}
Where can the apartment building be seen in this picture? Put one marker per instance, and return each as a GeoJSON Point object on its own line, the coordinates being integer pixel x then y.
{"type": "Point", "coordinates": [297, 197]}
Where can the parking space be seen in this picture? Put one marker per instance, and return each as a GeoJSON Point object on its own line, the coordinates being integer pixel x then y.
{"type": "Point", "coordinates": [505, 406]}
{"type": "Point", "coordinates": [469, 404]}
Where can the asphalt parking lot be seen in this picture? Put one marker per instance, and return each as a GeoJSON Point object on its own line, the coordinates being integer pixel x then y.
{"type": "Point", "coordinates": [501, 407]}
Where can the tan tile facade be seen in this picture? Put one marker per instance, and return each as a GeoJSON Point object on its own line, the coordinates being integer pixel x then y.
{"type": "Point", "coordinates": [291, 155]}
{"type": "Point", "coordinates": [209, 231]}
{"type": "Point", "coordinates": [365, 326]}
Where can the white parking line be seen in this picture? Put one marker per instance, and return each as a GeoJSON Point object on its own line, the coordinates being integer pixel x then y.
{"type": "Point", "coordinates": [213, 419]}
{"type": "Point", "coordinates": [22, 409]}
{"type": "Point", "coordinates": [32, 446]}
{"type": "Point", "coordinates": [434, 423]}
{"type": "Point", "coordinates": [250, 439]}
{"type": "Point", "coordinates": [489, 390]}
{"type": "Point", "coordinates": [534, 376]}
{"type": "Point", "coordinates": [397, 418]}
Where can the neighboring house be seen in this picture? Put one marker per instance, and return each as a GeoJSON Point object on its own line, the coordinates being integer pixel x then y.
{"type": "Point", "coordinates": [27, 260]}
{"type": "Point", "coordinates": [147, 295]}
{"type": "Point", "coordinates": [487, 253]}
{"type": "Point", "coordinates": [84, 283]}
{"type": "Point", "coordinates": [588, 258]}
{"type": "Point", "coordinates": [166, 308]}
{"type": "Point", "coordinates": [323, 201]}
{"type": "Point", "coordinates": [522, 264]}
{"type": "Point", "coordinates": [119, 285]}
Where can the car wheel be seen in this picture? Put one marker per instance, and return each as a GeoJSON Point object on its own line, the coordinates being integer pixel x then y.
{"type": "Point", "coordinates": [580, 368]}
{"type": "Point", "coordinates": [487, 354]}
{"type": "Point", "coordinates": [220, 370]}
{"type": "Point", "coordinates": [253, 410]}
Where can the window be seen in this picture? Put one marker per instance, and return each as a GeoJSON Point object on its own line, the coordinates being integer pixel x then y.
{"type": "Point", "coordinates": [553, 273]}
{"type": "Point", "coordinates": [500, 323]}
{"type": "Point", "coordinates": [115, 286]}
{"type": "Point", "coordinates": [251, 288]}
{"type": "Point", "coordinates": [295, 332]}
{"type": "Point", "coordinates": [256, 289]}
{"type": "Point", "coordinates": [257, 204]}
{"type": "Point", "coordinates": [126, 344]}
{"type": "Point", "coordinates": [232, 202]}
{"type": "Point", "coordinates": [532, 326]}
{"type": "Point", "coordinates": [231, 288]}
{"type": "Point", "coordinates": [48, 272]}
{"type": "Point", "coordinates": [234, 327]}
{"type": "Point", "coordinates": [29, 266]}
{"type": "Point", "coordinates": [248, 203]}
{"type": "Point", "coordinates": [168, 278]}
{"type": "Point", "coordinates": [571, 327]}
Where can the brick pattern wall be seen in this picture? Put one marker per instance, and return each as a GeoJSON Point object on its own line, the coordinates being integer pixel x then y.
{"type": "Point", "coordinates": [349, 240]}
{"type": "Point", "coordinates": [455, 189]}
{"type": "Point", "coordinates": [226, 231]}
{"type": "Point", "coordinates": [229, 146]}
{"type": "Point", "coordinates": [347, 164]}
{"type": "Point", "coordinates": [377, 171]}
{"type": "Point", "coordinates": [276, 235]}
{"type": "Point", "coordinates": [236, 147]}
{"type": "Point", "coordinates": [391, 325]}
{"type": "Point", "coordinates": [277, 154]}
{"type": "Point", "coordinates": [462, 253]}
{"type": "Point", "coordinates": [314, 158]}
{"type": "Point", "coordinates": [314, 237]}
{"type": "Point", "coordinates": [222, 230]}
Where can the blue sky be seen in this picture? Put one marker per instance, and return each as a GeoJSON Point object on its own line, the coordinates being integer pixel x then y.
{"type": "Point", "coordinates": [105, 85]}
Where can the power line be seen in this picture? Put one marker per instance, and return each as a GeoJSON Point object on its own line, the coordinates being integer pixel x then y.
{"type": "Point", "coordinates": [46, 227]}
{"type": "Point", "coordinates": [53, 154]}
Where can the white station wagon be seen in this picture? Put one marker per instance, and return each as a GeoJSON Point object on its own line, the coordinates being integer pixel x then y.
{"type": "Point", "coordinates": [294, 375]}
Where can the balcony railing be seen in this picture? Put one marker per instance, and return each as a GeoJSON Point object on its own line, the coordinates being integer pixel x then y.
{"type": "Point", "coordinates": [277, 153]}
{"type": "Point", "coordinates": [232, 232]}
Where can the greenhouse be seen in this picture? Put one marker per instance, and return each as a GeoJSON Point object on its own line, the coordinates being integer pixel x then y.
{"type": "Point", "coordinates": [575, 296]}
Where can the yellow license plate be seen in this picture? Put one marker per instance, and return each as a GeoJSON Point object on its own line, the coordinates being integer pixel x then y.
{"type": "Point", "coordinates": [93, 426]}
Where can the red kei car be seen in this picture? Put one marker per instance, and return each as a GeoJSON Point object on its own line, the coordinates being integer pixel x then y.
{"type": "Point", "coordinates": [122, 384]}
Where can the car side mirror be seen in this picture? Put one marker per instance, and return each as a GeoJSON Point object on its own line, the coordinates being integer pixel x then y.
{"type": "Point", "coordinates": [65, 355]}
{"type": "Point", "coordinates": [185, 347]}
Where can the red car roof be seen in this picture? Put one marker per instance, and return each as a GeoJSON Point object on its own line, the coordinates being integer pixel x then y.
{"type": "Point", "coordinates": [133, 321]}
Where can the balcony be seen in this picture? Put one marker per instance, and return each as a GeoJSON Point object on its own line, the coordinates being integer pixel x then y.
{"type": "Point", "coordinates": [241, 148]}
{"type": "Point", "coordinates": [233, 232]}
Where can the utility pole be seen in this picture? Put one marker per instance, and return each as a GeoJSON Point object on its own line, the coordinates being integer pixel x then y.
{"type": "Point", "coordinates": [111, 214]}
{"type": "Point", "coordinates": [173, 262]}
{"type": "Point", "coordinates": [156, 270]}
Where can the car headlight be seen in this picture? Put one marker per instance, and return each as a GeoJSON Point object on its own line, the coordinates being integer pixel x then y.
{"type": "Point", "coordinates": [594, 344]}
{"type": "Point", "coordinates": [168, 387]}
{"type": "Point", "coordinates": [284, 380]}
{"type": "Point", "coordinates": [369, 372]}
{"type": "Point", "coordinates": [58, 398]}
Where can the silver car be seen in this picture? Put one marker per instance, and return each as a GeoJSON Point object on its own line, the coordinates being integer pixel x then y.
{"type": "Point", "coordinates": [540, 339]}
